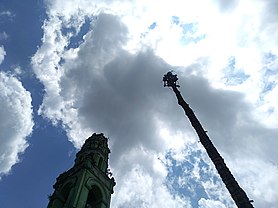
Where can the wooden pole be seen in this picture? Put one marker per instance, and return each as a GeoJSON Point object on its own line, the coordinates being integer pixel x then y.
{"type": "Point", "coordinates": [237, 193]}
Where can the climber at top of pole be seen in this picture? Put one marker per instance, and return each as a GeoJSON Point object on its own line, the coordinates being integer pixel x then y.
{"type": "Point", "coordinates": [170, 80]}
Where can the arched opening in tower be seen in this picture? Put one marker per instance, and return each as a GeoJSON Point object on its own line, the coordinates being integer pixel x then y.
{"type": "Point", "coordinates": [94, 199]}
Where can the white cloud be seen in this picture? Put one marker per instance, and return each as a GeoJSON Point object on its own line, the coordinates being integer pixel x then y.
{"type": "Point", "coordinates": [3, 35]}
{"type": "Point", "coordinates": [2, 54]}
{"type": "Point", "coordinates": [208, 203]}
{"type": "Point", "coordinates": [139, 186]}
{"type": "Point", "coordinates": [255, 177]}
{"type": "Point", "coordinates": [110, 83]}
{"type": "Point", "coordinates": [7, 13]}
{"type": "Point", "coordinates": [16, 121]}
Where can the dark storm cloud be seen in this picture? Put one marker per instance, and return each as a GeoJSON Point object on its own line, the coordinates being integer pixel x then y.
{"type": "Point", "coordinates": [228, 118]}
{"type": "Point", "coordinates": [217, 109]}
{"type": "Point", "coordinates": [121, 94]}
{"type": "Point", "coordinates": [124, 100]}
{"type": "Point", "coordinates": [128, 99]}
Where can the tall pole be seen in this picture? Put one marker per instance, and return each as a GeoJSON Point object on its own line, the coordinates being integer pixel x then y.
{"type": "Point", "coordinates": [237, 193]}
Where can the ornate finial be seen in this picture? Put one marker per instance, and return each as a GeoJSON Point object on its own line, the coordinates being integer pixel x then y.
{"type": "Point", "coordinates": [170, 80]}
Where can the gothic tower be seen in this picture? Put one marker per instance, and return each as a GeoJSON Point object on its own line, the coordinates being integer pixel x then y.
{"type": "Point", "coordinates": [88, 184]}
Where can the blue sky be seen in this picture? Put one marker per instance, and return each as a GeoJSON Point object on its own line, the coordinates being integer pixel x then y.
{"type": "Point", "coordinates": [73, 68]}
{"type": "Point", "coordinates": [30, 182]}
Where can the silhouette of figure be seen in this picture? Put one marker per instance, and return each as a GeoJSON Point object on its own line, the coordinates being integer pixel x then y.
{"type": "Point", "coordinates": [170, 80]}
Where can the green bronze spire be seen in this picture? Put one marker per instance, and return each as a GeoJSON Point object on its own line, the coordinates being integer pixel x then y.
{"type": "Point", "coordinates": [88, 184]}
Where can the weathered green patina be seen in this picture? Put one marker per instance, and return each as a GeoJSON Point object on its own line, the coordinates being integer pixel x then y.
{"type": "Point", "coordinates": [88, 184]}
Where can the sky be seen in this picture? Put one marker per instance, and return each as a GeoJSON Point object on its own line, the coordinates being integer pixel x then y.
{"type": "Point", "coordinates": [72, 68]}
